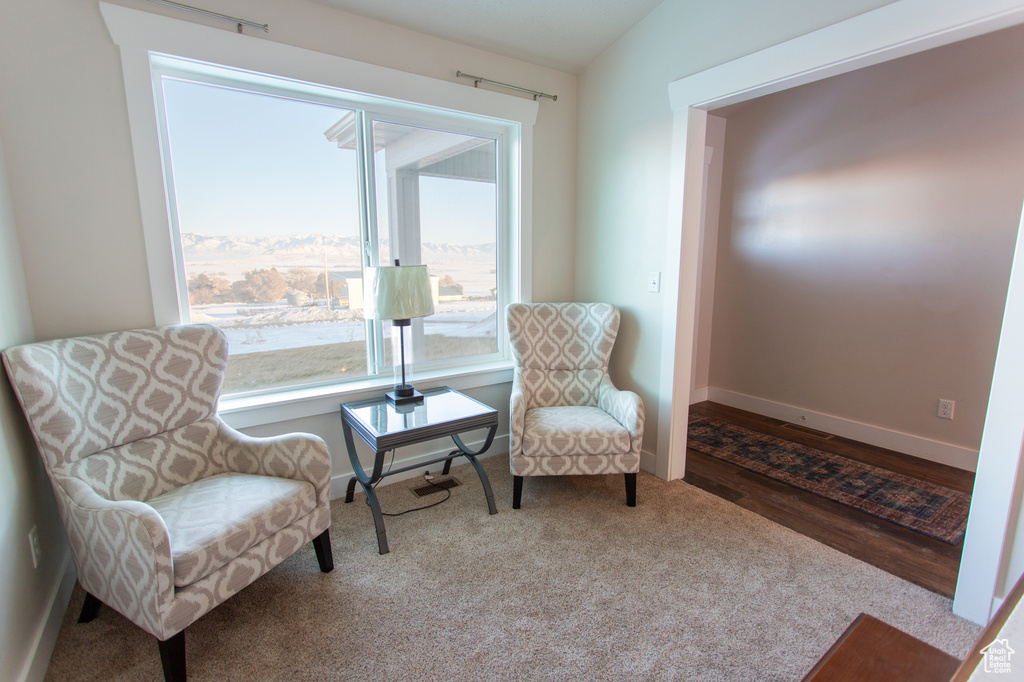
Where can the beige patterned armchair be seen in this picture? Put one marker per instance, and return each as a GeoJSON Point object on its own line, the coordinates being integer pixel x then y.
{"type": "Point", "coordinates": [566, 416]}
{"type": "Point", "coordinates": [167, 509]}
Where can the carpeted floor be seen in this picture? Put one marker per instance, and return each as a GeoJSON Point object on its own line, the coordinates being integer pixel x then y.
{"type": "Point", "coordinates": [575, 585]}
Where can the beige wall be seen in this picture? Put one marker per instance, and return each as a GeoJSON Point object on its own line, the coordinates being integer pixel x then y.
{"type": "Point", "coordinates": [624, 159]}
{"type": "Point", "coordinates": [868, 224]}
{"type": "Point", "coordinates": [26, 593]}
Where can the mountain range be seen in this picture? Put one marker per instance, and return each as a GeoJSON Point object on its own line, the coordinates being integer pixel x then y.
{"type": "Point", "coordinates": [199, 247]}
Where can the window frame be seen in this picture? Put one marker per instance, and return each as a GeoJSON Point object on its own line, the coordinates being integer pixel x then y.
{"type": "Point", "coordinates": [368, 110]}
{"type": "Point", "coordinates": [505, 259]}
{"type": "Point", "coordinates": [139, 34]}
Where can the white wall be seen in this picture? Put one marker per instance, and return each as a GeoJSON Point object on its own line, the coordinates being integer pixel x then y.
{"type": "Point", "coordinates": [868, 225]}
{"type": "Point", "coordinates": [625, 145]}
{"type": "Point", "coordinates": [26, 593]}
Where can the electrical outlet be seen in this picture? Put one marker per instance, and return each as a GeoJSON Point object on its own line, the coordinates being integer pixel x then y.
{"type": "Point", "coordinates": [945, 410]}
{"type": "Point", "coordinates": [654, 282]}
{"type": "Point", "coordinates": [33, 543]}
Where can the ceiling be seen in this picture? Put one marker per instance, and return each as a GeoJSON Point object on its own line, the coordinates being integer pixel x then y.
{"type": "Point", "coordinates": [560, 34]}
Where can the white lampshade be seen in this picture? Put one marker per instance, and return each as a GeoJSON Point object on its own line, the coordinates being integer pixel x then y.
{"type": "Point", "coordinates": [398, 293]}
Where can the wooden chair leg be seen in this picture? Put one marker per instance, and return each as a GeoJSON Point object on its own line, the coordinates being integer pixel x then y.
{"type": "Point", "coordinates": [517, 491]}
{"type": "Point", "coordinates": [324, 555]}
{"type": "Point", "coordinates": [89, 609]}
{"type": "Point", "coordinates": [630, 490]}
{"type": "Point", "coordinates": [172, 655]}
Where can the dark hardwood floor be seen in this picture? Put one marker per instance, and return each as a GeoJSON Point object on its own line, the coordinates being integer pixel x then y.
{"type": "Point", "coordinates": [915, 557]}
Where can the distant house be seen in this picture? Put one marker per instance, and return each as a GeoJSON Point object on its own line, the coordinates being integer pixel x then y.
{"type": "Point", "coordinates": [352, 288]}
{"type": "Point", "coordinates": [351, 281]}
{"type": "Point", "coordinates": [294, 297]}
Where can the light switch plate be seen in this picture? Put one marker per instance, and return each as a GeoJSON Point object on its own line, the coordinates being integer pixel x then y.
{"type": "Point", "coordinates": [654, 282]}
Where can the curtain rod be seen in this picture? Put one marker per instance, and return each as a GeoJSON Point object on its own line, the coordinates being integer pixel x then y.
{"type": "Point", "coordinates": [235, 20]}
{"type": "Point", "coordinates": [477, 80]}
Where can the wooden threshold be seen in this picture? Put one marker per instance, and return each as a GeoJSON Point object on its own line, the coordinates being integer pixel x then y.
{"type": "Point", "coordinates": [873, 651]}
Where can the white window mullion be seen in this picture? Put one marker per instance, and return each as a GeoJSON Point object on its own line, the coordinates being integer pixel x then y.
{"type": "Point", "coordinates": [404, 200]}
{"type": "Point", "coordinates": [375, 357]}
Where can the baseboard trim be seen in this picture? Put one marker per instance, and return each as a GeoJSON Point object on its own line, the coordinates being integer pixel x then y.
{"type": "Point", "coordinates": [917, 446]}
{"type": "Point", "coordinates": [46, 634]}
{"type": "Point", "coordinates": [699, 395]}
{"type": "Point", "coordinates": [339, 483]}
{"type": "Point", "coordinates": [649, 462]}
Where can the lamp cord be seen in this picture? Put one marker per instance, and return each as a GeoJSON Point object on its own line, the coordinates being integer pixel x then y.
{"type": "Point", "coordinates": [391, 461]}
{"type": "Point", "coordinates": [448, 494]}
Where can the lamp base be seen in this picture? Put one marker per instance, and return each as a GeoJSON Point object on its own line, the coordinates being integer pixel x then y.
{"type": "Point", "coordinates": [413, 396]}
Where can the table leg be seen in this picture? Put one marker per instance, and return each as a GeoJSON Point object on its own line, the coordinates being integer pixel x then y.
{"type": "Point", "coordinates": [491, 508]}
{"type": "Point", "coordinates": [378, 520]}
{"type": "Point", "coordinates": [367, 482]}
{"type": "Point", "coordinates": [471, 456]}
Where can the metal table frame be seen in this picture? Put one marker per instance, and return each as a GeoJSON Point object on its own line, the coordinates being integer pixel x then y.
{"type": "Point", "coordinates": [480, 416]}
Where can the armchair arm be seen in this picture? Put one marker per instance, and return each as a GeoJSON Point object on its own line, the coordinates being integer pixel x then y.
{"type": "Point", "coordinates": [517, 416]}
{"type": "Point", "coordinates": [627, 408]}
{"type": "Point", "coordinates": [122, 552]}
{"type": "Point", "coordinates": [299, 456]}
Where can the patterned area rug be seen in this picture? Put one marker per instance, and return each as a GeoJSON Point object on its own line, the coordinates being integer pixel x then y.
{"type": "Point", "coordinates": [934, 510]}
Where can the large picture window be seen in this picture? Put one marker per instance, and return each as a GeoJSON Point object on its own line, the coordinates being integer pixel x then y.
{"type": "Point", "coordinates": [281, 193]}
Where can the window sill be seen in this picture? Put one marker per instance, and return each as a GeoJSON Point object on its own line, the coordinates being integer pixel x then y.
{"type": "Point", "coordinates": [243, 412]}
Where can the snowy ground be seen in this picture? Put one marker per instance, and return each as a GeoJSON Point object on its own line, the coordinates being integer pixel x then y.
{"type": "Point", "coordinates": [277, 327]}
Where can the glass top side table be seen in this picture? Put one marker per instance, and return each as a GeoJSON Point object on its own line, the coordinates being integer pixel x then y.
{"type": "Point", "coordinates": [443, 412]}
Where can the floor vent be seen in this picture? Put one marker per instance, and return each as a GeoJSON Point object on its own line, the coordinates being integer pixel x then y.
{"type": "Point", "coordinates": [436, 486]}
{"type": "Point", "coordinates": [808, 432]}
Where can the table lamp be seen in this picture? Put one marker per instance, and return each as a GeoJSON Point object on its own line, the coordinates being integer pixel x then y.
{"type": "Point", "coordinates": [399, 294]}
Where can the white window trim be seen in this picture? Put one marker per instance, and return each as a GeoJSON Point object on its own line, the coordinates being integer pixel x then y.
{"type": "Point", "coordinates": [297, 403]}
{"type": "Point", "coordinates": [139, 33]}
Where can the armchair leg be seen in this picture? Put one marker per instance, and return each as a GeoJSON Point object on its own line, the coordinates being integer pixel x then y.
{"type": "Point", "coordinates": [172, 655]}
{"type": "Point", "coordinates": [630, 490]}
{"type": "Point", "coordinates": [517, 491]}
{"type": "Point", "coordinates": [324, 555]}
{"type": "Point", "coordinates": [89, 609]}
